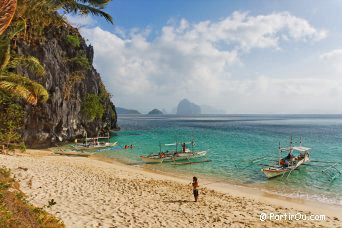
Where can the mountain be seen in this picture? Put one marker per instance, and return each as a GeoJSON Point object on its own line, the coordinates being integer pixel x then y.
{"type": "Point", "coordinates": [185, 107]}
{"type": "Point", "coordinates": [78, 101]}
{"type": "Point", "coordinates": [155, 112]}
{"type": "Point", "coordinates": [126, 111]}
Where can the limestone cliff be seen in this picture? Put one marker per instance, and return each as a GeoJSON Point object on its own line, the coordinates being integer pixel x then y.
{"type": "Point", "coordinates": [185, 107]}
{"type": "Point", "coordinates": [70, 76]}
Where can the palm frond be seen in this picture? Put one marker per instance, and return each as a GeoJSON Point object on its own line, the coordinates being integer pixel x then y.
{"type": "Point", "coordinates": [7, 11]}
{"type": "Point", "coordinates": [24, 87]}
{"type": "Point", "coordinates": [16, 27]}
{"type": "Point", "coordinates": [29, 62]}
{"type": "Point", "coordinates": [19, 90]}
{"type": "Point", "coordinates": [76, 7]}
{"type": "Point", "coordinates": [97, 3]}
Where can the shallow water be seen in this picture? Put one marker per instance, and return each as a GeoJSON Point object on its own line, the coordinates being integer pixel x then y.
{"type": "Point", "coordinates": [233, 141]}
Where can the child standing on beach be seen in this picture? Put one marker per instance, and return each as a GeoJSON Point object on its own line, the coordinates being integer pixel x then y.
{"type": "Point", "coordinates": [194, 187]}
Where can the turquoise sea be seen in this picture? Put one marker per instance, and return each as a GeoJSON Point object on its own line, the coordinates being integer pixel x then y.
{"type": "Point", "coordinates": [233, 141]}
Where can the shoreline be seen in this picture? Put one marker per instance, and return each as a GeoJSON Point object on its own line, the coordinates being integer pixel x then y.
{"type": "Point", "coordinates": [103, 192]}
{"type": "Point", "coordinates": [220, 183]}
{"type": "Point", "coordinates": [239, 190]}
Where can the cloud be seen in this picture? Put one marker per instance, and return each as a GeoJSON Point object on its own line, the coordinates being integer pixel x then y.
{"type": "Point", "coordinates": [334, 58]}
{"type": "Point", "coordinates": [194, 60]}
{"type": "Point", "coordinates": [80, 20]}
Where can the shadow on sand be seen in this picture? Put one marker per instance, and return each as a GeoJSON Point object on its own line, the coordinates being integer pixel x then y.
{"type": "Point", "coordinates": [179, 201]}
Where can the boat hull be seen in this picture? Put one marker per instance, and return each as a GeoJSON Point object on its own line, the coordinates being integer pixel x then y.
{"type": "Point", "coordinates": [270, 173]}
{"type": "Point", "coordinates": [186, 156]}
{"type": "Point", "coordinates": [92, 147]}
{"type": "Point", "coordinates": [274, 172]}
{"type": "Point", "coordinates": [152, 160]}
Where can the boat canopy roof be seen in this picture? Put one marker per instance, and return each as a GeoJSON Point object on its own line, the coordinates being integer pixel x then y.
{"type": "Point", "coordinates": [174, 144]}
{"type": "Point", "coordinates": [301, 148]}
{"type": "Point", "coordinates": [170, 144]}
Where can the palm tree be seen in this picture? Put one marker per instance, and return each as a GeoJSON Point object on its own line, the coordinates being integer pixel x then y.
{"type": "Point", "coordinates": [7, 11]}
{"type": "Point", "coordinates": [93, 7]}
{"type": "Point", "coordinates": [32, 92]}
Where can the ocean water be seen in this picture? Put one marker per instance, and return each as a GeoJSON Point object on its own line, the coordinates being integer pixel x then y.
{"type": "Point", "coordinates": [234, 141]}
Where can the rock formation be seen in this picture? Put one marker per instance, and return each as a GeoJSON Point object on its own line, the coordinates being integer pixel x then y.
{"type": "Point", "coordinates": [155, 112]}
{"type": "Point", "coordinates": [61, 118]}
{"type": "Point", "coordinates": [126, 111]}
{"type": "Point", "coordinates": [185, 107]}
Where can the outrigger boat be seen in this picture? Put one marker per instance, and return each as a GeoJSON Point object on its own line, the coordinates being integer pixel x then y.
{"type": "Point", "coordinates": [172, 156]}
{"type": "Point", "coordinates": [289, 163]}
{"type": "Point", "coordinates": [296, 157]}
{"type": "Point", "coordinates": [94, 143]}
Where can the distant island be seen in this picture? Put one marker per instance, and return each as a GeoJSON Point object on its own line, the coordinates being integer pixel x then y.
{"type": "Point", "coordinates": [185, 107]}
{"type": "Point", "coordinates": [155, 112]}
{"type": "Point", "coordinates": [126, 111]}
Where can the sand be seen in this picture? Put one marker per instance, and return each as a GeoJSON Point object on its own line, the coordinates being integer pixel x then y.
{"type": "Point", "coordinates": [93, 193]}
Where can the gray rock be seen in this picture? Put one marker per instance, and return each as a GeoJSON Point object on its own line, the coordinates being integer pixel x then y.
{"type": "Point", "coordinates": [155, 112]}
{"type": "Point", "coordinates": [185, 107]}
{"type": "Point", "coordinates": [60, 119]}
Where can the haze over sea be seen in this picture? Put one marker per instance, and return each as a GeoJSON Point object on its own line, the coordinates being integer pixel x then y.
{"type": "Point", "coordinates": [233, 141]}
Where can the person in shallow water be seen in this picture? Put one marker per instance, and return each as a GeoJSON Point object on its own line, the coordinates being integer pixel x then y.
{"type": "Point", "coordinates": [184, 147]}
{"type": "Point", "coordinates": [194, 187]}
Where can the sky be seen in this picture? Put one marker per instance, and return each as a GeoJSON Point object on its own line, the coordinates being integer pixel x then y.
{"type": "Point", "coordinates": [240, 56]}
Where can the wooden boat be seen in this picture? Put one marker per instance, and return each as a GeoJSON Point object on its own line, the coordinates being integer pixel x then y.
{"type": "Point", "coordinates": [72, 153]}
{"type": "Point", "coordinates": [296, 157]}
{"type": "Point", "coordinates": [152, 159]}
{"type": "Point", "coordinates": [94, 143]}
{"type": "Point", "coordinates": [187, 155]}
{"type": "Point", "coordinates": [176, 155]}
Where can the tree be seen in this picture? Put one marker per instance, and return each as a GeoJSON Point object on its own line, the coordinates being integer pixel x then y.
{"type": "Point", "coordinates": [93, 7]}
{"type": "Point", "coordinates": [32, 92]}
{"type": "Point", "coordinates": [11, 122]}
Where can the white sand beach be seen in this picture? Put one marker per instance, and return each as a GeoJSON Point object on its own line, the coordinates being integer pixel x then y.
{"type": "Point", "coordinates": [93, 193]}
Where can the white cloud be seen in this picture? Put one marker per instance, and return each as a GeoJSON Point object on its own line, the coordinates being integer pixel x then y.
{"type": "Point", "coordinates": [80, 20]}
{"type": "Point", "coordinates": [334, 58]}
{"type": "Point", "coordinates": [194, 61]}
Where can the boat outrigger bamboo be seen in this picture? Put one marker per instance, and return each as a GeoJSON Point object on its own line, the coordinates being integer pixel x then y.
{"type": "Point", "coordinates": [94, 143]}
{"type": "Point", "coordinates": [176, 155]}
{"type": "Point", "coordinates": [296, 157]}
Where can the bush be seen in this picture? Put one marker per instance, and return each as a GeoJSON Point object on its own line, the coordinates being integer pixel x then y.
{"type": "Point", "coordinates": [92, 107]}
{"type": "Point", "coordinates": [82, 61]}
{"type": "Point", "coordinates": [73, 41]}
{"type": "Point", "coordinates": [11, 121]}
{"type": "Point", "coordinates": [15, 211]}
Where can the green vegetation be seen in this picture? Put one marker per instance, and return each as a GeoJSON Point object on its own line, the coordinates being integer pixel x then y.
{"type": "Point", "coordinates": [73, 40]}
{"type": "Point", "coordinates": [103, 94]}
{"type": "Point", "coordinates": [81, 61]}
{"type": "Point", "coordinates": [13, 83]}
{"type": "Point", "coordinates": [92, 107]}
{"type": "Point", "coordinates": [15, 211]}
{"type": "Point", "coordinates": [11, 122]}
